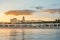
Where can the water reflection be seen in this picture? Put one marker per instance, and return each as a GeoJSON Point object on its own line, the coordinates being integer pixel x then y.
{"type": "Point", "coordinates": [13, 34]}
{"type": "Point", "coordinates": [30, 34]}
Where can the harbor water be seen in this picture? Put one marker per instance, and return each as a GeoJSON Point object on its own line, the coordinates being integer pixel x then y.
{"type": "Point", "coordinates": [29, 34]}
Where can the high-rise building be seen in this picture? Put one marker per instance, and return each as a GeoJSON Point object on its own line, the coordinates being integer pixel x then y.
{"type": "Point", "coordinates": [14, 20]}
{"type": "Point", "coordinates": [23, 19]}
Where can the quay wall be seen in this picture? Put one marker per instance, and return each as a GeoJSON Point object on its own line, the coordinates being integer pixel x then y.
{"type": "Point", "coordinates": [32, 25]}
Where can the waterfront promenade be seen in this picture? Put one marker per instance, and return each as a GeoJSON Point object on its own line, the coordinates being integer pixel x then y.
{"type": "Point", "coordinates": [32, 25]}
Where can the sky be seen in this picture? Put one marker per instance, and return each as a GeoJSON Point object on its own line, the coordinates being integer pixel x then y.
{"type": "Point", "coordinates": [43, 9]}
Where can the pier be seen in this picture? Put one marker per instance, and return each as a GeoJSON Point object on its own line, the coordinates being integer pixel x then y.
{"type": "Point", "coordinates": [32, 25]}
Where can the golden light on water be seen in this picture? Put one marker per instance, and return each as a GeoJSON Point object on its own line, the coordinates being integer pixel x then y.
{"type": "Point", "coordinates": [7, 32]}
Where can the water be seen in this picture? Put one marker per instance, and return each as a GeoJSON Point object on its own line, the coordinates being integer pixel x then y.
{"type": "Point", "coordinates": [30, 34]}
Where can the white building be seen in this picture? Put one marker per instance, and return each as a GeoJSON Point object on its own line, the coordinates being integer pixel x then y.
{"type": "Point", "coordinates": [13, 21]}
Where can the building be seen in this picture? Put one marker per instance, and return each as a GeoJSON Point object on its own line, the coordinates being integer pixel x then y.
{"type": "Point", "coordinates": [19, 21]}
{"type": "Point", "coordinates": [57, 20]}
{"type": "Point", "coordinates": [13, 21]}
{"type": "Point", "coordinates": [23, 20]}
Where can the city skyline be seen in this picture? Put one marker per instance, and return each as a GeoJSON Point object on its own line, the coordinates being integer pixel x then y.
{"type": "Point", "coordinates": [47, 10]}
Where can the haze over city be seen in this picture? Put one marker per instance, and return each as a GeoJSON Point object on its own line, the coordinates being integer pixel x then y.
{"type": "Point", "coordinates": [48, 10]}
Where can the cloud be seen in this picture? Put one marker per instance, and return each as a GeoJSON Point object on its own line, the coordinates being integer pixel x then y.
{"type": "Point", "coordinates": [52, 11]}
{"type": "Point", "coordinates": [56, 4]}
{"type": "Point", "coordinates": [38, 7]}
{"type": "Point", "coordinates": [19, 12]}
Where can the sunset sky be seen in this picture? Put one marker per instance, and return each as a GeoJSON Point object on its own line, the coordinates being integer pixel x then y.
{"type": "Point", "coordinates": [43, 9]}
